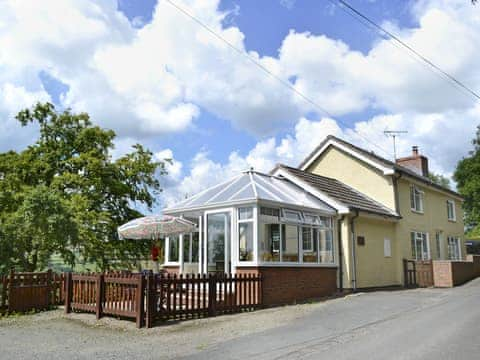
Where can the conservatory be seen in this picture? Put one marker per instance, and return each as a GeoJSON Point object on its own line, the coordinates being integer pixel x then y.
{"type": "Point", "coordinates": [253, 223]}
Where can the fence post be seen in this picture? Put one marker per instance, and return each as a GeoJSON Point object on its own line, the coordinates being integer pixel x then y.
{"type": "Point", "coordinates": [99, 296]}
{"type": "Point", "coordinates": [150, 300]}
{"type": "Point", "coordinates": [68, 292]}
{"type": "Point", "coordinates": [10, 288]}
{"type": "Point", "coordinates": [260, 292]}
{"type": "Point", "coordinates": [212, 294]}
{"type": "Point", "coordinates": [140, 301]}
{"type": "Point", "coordinates": [49, 288]}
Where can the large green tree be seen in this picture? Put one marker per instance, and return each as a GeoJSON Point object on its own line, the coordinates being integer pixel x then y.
{"type": "Point", "coordinates": [467, 176]}
{"type": "Point", "coordinates": [65, 194]}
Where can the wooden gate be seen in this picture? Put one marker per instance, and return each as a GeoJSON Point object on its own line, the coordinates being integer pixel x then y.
{"type": "Point", "coordinates": [29, 291]}
{"type": "Point", "coordinates": [418, 273]}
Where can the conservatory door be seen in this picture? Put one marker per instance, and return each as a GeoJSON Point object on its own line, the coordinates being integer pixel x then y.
{"type": "Point", "coordinates": [218, 234]}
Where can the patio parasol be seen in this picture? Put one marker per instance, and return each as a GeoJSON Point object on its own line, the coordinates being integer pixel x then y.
{"type": "Point", "coordinates": [154, 227]}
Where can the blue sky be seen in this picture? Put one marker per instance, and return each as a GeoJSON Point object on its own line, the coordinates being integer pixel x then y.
{"type": "Point", "coordinates": [147, 71]}
{"type": "Point", "coordinates": [265, 25]}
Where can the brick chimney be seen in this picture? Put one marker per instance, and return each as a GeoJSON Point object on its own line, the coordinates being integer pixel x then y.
{"type": "Point", "coordinates": [416, 162]}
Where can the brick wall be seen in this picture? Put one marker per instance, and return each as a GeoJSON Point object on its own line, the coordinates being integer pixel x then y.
{"type": "Point", "coordinates": [442, 273]}
{"type": "Point", "coordinates": [448, 273]}
{"type": "Point", "coordinates": [288, 285]}
{"type": "Point", "coordinates": [172, 269]}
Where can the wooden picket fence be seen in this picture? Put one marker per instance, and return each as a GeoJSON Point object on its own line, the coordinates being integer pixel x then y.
{"type": "Point", "coordinates": [172, 297]}
{"type": "Point", "coordinates": [155, 298]}
{"type": "Point", "coordinates": [25, 291]}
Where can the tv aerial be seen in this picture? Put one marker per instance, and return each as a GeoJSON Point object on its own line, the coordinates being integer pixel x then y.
{"type": "Point", "coordinates": [394, 134]}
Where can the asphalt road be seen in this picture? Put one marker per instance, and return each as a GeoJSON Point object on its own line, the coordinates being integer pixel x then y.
{"type": "Point", "coordinates": [415, 324]}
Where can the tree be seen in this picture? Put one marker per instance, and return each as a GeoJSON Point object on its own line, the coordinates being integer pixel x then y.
{"type": "Point", "coordinates": [65, 193]}
{"type": "Point", "coordinates": [439, 180]}
{"type": "Point", "coordinates": [467, 176]}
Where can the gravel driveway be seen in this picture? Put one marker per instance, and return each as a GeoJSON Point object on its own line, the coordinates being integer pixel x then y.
{"type": "Point", "coordinates": [421, 323]}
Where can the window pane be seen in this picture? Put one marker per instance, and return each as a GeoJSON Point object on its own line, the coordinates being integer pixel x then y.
{"type": "Point", "coordinates": [245, 237]}
{"type": "Point", "coordinates": [412, 197]}
{"type": "Point", "coordinates": [425, 255]}
{"type": "Point", "coordinates": [270, 244]}
{"type": "Point", "coordinates": [186, 248]}
{"type": "Point", "coordinates": [269, 211]}
{"type": "Point", "coordinates": [173, 250]}
{"type": "Point", "coordinates": [412, 244]}
{"type": "Point", "coordinates": [310, 245]}
{"type": "Point", "coordinates": [195, 244]}
{"type": "Point", "coordinates": [292, 215]}
{"type": "Point", "coordinates": [326, 246]}
{"type": "Point", "coordinates": [245, 213]}
{"type": "Point", "coordinates": [290, 243]}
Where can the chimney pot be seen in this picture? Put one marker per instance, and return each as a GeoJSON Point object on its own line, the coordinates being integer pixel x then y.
{"type": "Point", "coordinates": [415, 150]}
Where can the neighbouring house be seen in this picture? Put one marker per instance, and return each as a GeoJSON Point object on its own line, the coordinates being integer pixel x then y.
{"type": "Point", "coordinates": [344, 219]}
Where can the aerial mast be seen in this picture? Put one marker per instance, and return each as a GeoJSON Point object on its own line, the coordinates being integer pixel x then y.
{"type": "Point", "coordinates": [393, 134]}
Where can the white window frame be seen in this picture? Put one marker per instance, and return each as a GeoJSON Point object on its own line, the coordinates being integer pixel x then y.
{"type": "Point", "coordinates": [454, 239]}
{"type": "Point", "coordinates": [387, 248]}
{"type": "Point", "coordinates": [418, 206]}
{"type": "Point", "coordinates": [419, 237]}
{"type": "Point", "coordinates": [439, 245]}
{"type": "Point", "coordinates": [454, 215]}
{"type": "Point", "coordinates": [310, 249]}
{"type": "Point", "coordinates": [254, 232]}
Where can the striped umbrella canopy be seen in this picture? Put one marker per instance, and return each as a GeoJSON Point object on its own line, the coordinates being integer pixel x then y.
{"type": "Point", "coordinates": [154, 227]}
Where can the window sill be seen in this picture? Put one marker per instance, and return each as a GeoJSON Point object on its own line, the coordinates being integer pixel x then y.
{"type": "Point", "coordinates": [417, 212]}
{"type": "Point", "coordinates": [452, 220]}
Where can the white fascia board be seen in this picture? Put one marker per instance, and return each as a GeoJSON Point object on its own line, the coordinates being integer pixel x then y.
{"type": "Point", "coordinates": [341, 208]}
{"type": "Point", "coordinates": [386, 170]}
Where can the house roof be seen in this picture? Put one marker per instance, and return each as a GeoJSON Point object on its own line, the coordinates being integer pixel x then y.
{"type": "Point", "coordinates": [252, 186]}
{"type": "Point", "coordinates": [374, 158]}
{"type": "Point", "coordinates": [340, 192]}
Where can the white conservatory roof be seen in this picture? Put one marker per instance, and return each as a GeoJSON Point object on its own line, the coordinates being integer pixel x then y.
{"type": "Point", "coordinates": [251, 186]}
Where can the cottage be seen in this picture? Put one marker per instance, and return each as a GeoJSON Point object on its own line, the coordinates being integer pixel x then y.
{"type": "Point", "coordinates": [344, 219]}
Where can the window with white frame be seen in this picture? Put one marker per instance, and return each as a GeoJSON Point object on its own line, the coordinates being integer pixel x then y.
{"type": "Point", "coordinates": [438, 243]}
{"type": "Point", "coordinates": [420, 246]}
{"type": "Point", "coordinates": [454, 252]}
{"type": "Point", "coordinates": [190, 247]}
{"type": "Point", "coordinates": [387, 247]}
{"type": "Point", "coordinates": [173, 250]}
{"type": "Point", "coordinates": [245, 234]}
{"type": "Point", "coordinates": [416, 199]}
{"type": "Point", "coordinates": [451, 210]}
{"type": "Point", "coordinates": [295, 237]}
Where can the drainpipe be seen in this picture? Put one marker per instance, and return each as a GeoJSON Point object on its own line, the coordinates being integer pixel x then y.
{"type": "Point", "coordinates": [354, 254]}
{"type": "Point", "coordinates": [340, 252]}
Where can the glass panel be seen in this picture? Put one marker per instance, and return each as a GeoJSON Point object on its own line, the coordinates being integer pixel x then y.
{"type": "Point", "coordinates": [310, 245]}
{"type": "Point", "coordinates": [218, 234]}
{"type": "Point", "coordinates": [245, 213]}
{"type": "Point", "coordinates": [311, 219]}
{"type": "Point", "coordinates": [292, 215]}
{"type": "Point", "coordinates": [425, 255]}
{"type": "Point", "coordinates": [307, 239]}
{"type": "Point", "coordinates": [326, 246]}
{"type": "Point", "coordinates": [195, 245]}
{"type": "Point", "coordinates": [173, 250]}
{"type": "Point", "coordinates": [186, 248]}
{"type": "Point", "coordinates": [290, 243]}
{"type": "Point", "coordinates": [414, 249]}
{"type": "Point", "coordinates": [245, 240]}
{"type": "Point", "coordinates": [269, 211]}
{"type": "Point", "coordinates": [325, 221]}
{"type": "Point", "coordinates": [270, 242]}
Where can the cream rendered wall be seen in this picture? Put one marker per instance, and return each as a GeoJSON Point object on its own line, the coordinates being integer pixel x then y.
{"type": "Point", "coordinates": [373, 268]}
{"type": "Point", "coordinates": [434, 218]}
{"type": "Point", "coordinates": [336, 164]}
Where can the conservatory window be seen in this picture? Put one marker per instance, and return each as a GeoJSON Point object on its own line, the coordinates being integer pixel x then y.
{"type": "Point", "coordinates": [310, 244]}
{"type": "Point", "coordinates": [454, 248]}
{"type": "Point", "coordinates": [291, 215]}
{"type": "Point", "coordinates": [173, 248]}
{"type": "Point", "coordinates": [270, 246]}
{"type": "Point", "coordinates": [326, 246]}
{"type": "Point", "coordinates": [289, 243]}
{"type": "Point", "coordinates": [245, 234]}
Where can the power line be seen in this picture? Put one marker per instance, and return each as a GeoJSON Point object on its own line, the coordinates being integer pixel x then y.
{"type": "Point", "coordinates": [267, 71]}
{"type": "Point", "coordinates": [363, 18]}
